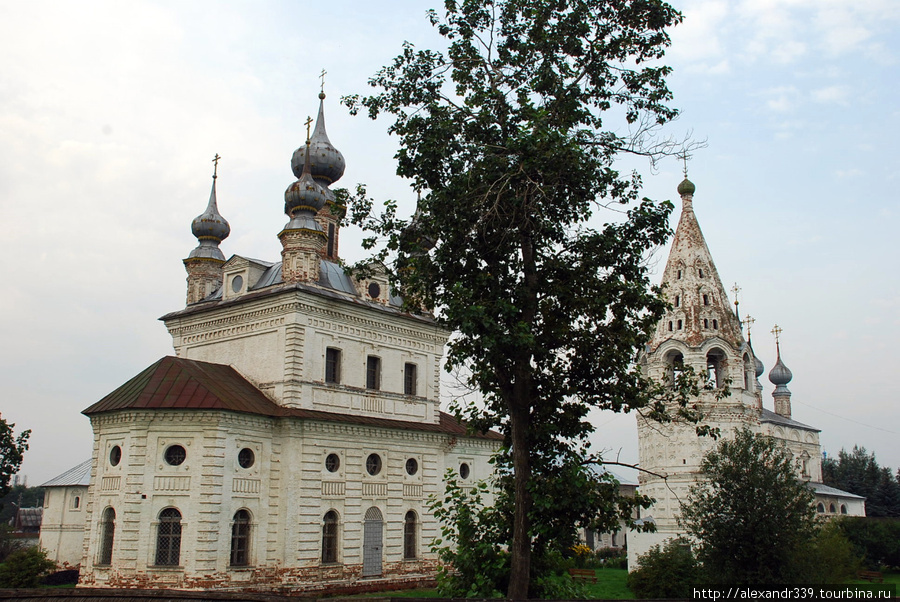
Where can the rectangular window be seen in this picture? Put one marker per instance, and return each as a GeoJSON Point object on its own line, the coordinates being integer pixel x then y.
{"type": "Point", "coordinates": [373, 373]}
{"type": "Point", "coordinates": [409, 379]}
{"type": "Point", "coordinates": [332, 365]}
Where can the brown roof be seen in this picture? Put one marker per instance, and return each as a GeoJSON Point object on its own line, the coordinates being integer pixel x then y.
{"type": "Point", "coordinates": [175, 383]}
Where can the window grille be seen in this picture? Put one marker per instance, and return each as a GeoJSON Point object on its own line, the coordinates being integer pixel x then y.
{"type": "Point", "coordinates": [168, 538]}
{"type": "Point", "coordinates": [240, 539]}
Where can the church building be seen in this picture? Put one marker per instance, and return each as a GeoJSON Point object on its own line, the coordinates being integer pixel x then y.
{"type": "Point", "coordinates": [702, 331]}
{"type": "Point", "coordinates": [292, 441]}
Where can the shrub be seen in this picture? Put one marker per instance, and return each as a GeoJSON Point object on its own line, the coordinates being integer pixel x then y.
{"type": "Point", "coordinates": [829, 558]}
{"type": "Point", "coordinates": [877, 541]}
{"type": "Point", "coordinates": [668, 572]}
{"type": "Point", "coordinates": [25, 567]}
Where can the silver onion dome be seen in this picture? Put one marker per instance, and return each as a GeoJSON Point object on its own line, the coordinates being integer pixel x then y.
{"type": "Point", "coordinates": [779, 375]}
{"type": "Point", "coordinates": [210, 228]}
{"type": "Point", "coordinates": [326, 163]}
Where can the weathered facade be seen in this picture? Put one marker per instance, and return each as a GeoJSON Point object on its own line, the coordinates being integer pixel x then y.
{"type": "Point", "coordinates": [294, 439]}
{"type": "Point", "coordinates": [703, 332]}
{"type": "Point", "coordinates": [62, 528]}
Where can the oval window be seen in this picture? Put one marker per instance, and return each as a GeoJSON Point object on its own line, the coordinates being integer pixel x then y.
{"type": "Point", "coordinates": [246, 457]}
{"type": "Point", "coordinates": [332, 462]}
{"type": "Point", "coordinates": [175, 455]}
{"type": "Point", "coordinates": [412, 466]}
{"type": "Point", "coordinates": [115, 455]}
{"type": "Point", "coordinates": [373, 464]}
{"type": "Point", "coordinates": [374, 290]}
{"type": "Point", "coordinates": [237, 283]}
{"type": "Point", "coordinates": [464, 470]}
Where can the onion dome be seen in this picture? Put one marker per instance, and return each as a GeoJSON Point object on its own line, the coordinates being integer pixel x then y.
{"type": "Point", "coordinates": [686, 187]}
{"type": "Point", "coordinates": [326, 162]}
{"type": "Point", "coordinates": [303, 199]}
{"type": "Point", "coordinates": [780, 375]}
{"type": "Point", "coordinates": [210, 228]}
{"type": "Point", "coordinates": [760, 367]}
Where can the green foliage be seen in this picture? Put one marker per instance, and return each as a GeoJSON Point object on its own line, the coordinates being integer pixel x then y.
{"type": "Point", "coordinates": [828, 558]}
{"type": "Point", "coordinates": [877, 541]}
{"type": "Point", "coordinates": [471, 545]}
{"type": "Point", "coordinates": [858, 472]}
{"type": "Point", "coordinates": [12, 451]}
{"type": "Point", "coordinates": [668, 572]}
{"type": "Point", "coordinates": [25, 567]}
{"type": "Point", "coordinates": [752, 516]}
{"type": "Point", "coordinates": [509, 135]}
{"type": "Point", "coordinates": [19, 496]}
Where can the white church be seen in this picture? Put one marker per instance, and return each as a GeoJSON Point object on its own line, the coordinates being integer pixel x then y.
{"type": "Point", "coordinates": [293, 439]}
{"type": "Point", "coordinates": [702, 331]}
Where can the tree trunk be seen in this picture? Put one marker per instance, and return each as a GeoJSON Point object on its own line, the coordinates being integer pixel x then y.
{"type": "Point", "coordinates": [519, 405]}
{"type": "Point", "coordinates": [520, 570]}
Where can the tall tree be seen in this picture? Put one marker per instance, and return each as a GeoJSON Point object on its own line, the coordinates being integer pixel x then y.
{"type": "Point", "coordinates": [12, 451]}
{"type": "Point", "coordinates": [752, 516]}
{"type": "Point", "coordinates": [510, 136]}
{"type": "Point", "coordinates": [859, 472]}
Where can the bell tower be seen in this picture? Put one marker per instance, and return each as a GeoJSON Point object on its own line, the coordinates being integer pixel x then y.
{"type": "Point", "coordinates": [700, 330]}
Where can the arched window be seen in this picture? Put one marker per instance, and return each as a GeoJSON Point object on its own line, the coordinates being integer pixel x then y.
{"type": "Point", "coordinates": [409, 535]}
{"type": "Point", "coordinates": [330, 537]}
{"type": "Point", "coordinates": [168, 538]}
{"type": "Point", "coordinates": [820, 508]}
{"type": "Point", "coordinates": [715, 368]}
{"type": "Point", "coordinates": [675, 361]}
{"type": "Point", "coordinates": [843, 508]}
{"type": "Point", "coordinates": [749, 373]}
{"type": "Point", "coordinates": [107, 535]}
{"type": "Point", "coordinates": [240, 539]}
{"type": "Point", "coordinates": [831, 508]}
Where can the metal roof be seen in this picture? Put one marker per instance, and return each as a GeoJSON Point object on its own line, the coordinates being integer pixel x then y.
{"type": "Point", "coordinates": [177, 384]}
{"type": "Point", "coordinates": [770, 416]}
{"type": "Point", "coordinates": [823, 489]}
{"type": "Point", "coordinates": [79, 475]}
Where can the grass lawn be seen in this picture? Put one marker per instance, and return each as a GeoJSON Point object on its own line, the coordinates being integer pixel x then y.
{"type": "Point", "coordinates": [610, 585]}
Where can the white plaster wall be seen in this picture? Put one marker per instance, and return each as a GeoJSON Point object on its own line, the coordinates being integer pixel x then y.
{"type": "Point", "coordinates": [278, 342]}
{"type": "Point", "coordinates": [62, 524]}
{"type": "Point", "coordinates": [287, 491]}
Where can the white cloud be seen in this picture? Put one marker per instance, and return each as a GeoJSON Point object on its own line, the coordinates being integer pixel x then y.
{"type": "Point", "coordinates": [831, 94]}
{"type": "Point", "coordinates": [782, 98]}
{"type": "Point", "coordinates": [849, 173]}
{"type": "Point", "coordinates": [698, 39]}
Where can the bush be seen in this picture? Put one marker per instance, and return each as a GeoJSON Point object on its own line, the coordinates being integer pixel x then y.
{"type": "Point", "coordinates": [25, 567]}
{"type": "Point", "coordinates": [829, 558]}
{"type": "Point", "coordinates": [877, 541]}
{"type": "Point", "coordinates": [670, 572]}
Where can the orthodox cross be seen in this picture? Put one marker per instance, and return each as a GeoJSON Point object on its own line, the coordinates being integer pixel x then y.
{"type": "Point", "coordinates": [216, 165]}
{"type": "Point", "coordinates": [307, 122]}
{"type": "Point", "coordinates": [736, 289]}
{"type": "Point", "coordinates": [322, 77]}
{"type": "Point", "coordinates": [748, 322]}
{"type": "Point", "coordinates": [777, 331]}
{"type": "Point", "coordinates": [684, 159]}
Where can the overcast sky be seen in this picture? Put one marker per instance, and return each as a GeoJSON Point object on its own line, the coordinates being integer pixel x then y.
{"type": "Point", "coordinates": [110, 114]}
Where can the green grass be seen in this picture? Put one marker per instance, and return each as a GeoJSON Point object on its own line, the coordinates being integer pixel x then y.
{"type": "Point", "coordinates": [610, 585]}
